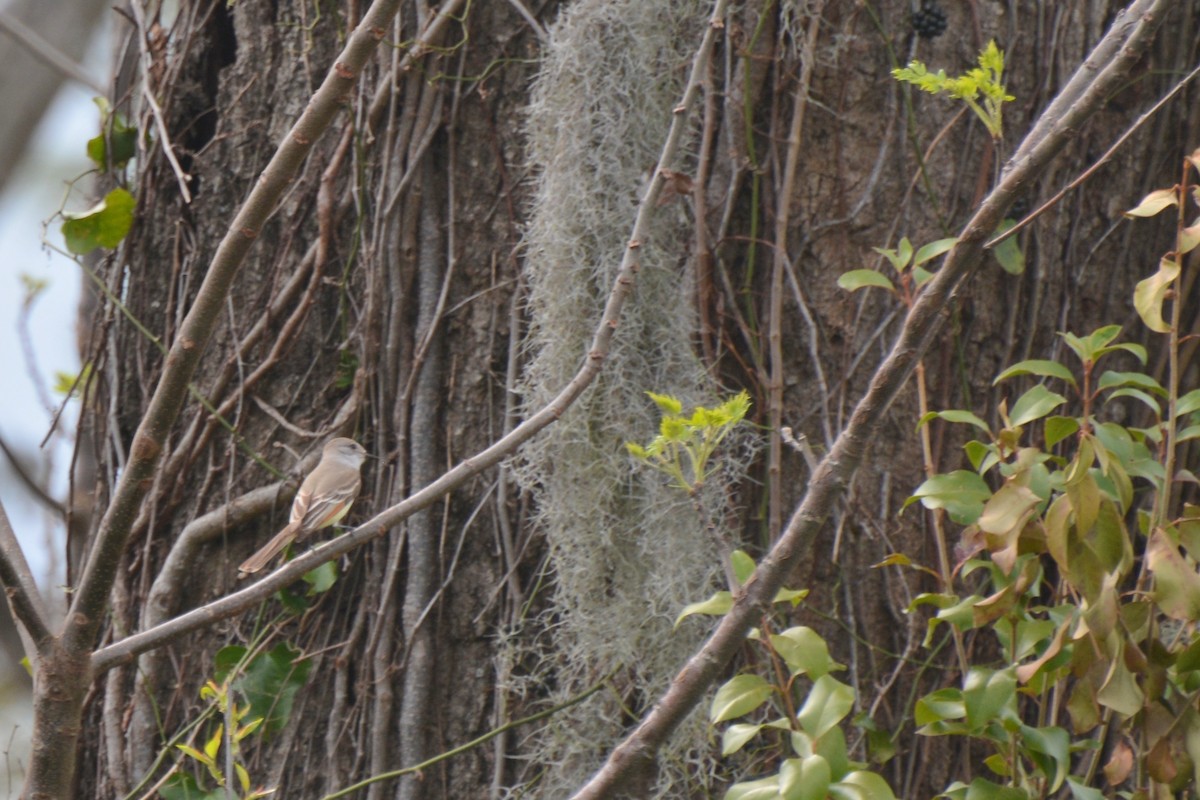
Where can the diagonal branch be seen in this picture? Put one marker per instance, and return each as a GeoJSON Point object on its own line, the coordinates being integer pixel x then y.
{"type": "Point", "coordinates": [20, 588]}
{"type": "Point", "coordinates": [225, 607]}
{"type": "Point", "coordinates": [1095, 79]}
{"type": "Point", "coordinates": [87, 609]}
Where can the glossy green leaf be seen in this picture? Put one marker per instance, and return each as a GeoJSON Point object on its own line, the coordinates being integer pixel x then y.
{"type": "Point", "coordinates": [761, 789]}
{"type": "Point", "coordinates": [740, 695]}
{"type": "Point", "coordinates": [983, 789]}
{"type": "Point", "coordinates": [736, 736]}
{"type": "Point", "coordinates": [1039, 367]}
{"type": "Point", "coordinates": [933, 250]}
{"type": "Point", "coordinates": [743, 565]}
{"type": "Point", "coordinates": [1035, 404]}
{"type": "Point", "coordinates": [1050, 749]}
{"type": "Point", "coordinates": [940, 705]}
{"type": "Point", "coordinates": [986, 693]}
{"type": "Point", "coordinates": [857, 279]}
{"type": "Point", "coordinates": [1111, 379]}
{"type": "Point", "coordinates": [715, 606]}
{"type": "Point", "coordinates": [804, 651]}
{"type": "Point", "coordinates": [828, 702]}
{"type": "Point", "coordinates": [862, 785]}
{"type": "Point", "coordinates": [804, 778]}
{"type": "Point", "coordinates": [955, 415]}
{"type": "Point", "coordinates": [961, 493]}
{"type": "Point", "coordinates": [1120, 691]}
{"type": "Point", "coordinates": [1059, 428]}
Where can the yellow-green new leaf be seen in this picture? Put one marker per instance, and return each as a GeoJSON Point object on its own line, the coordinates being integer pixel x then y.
{"type": "Point", "coordinates": [715, 606]}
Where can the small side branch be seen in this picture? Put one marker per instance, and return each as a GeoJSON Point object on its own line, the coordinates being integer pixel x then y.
{"type": "Point", "coordinates": [20, 588]}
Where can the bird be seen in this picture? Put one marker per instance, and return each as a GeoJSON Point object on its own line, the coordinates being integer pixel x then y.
{"type": "Point", "coordinates": [324, 498]}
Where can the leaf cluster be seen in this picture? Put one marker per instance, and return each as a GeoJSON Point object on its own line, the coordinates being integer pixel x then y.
{"type": "Point", "coordinates": [981, 87]}
{"type": "Point", "coordinates": [685, 444]}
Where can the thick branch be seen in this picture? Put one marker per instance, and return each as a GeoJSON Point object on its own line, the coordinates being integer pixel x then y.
{"type": "Point", "coordinates": [20, 588]}
{"type": "Point", "coordinates": [1099, 76]}
{"type": "Point", "coordinates": [124, 650]}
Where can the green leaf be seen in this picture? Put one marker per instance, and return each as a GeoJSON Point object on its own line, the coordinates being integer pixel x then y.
{"type": "Point", "coordinates": [1008, 253]}
{"type": "Point", "coordinates": [1150, 293]}
{"type": "Point", "coordinates": [270, 683]}
{"type": "Point", "coordinates": [862, 785]}
{"type": "Point", "coordinates": [804, 778]}
{"type": "Point", "coordinates": [1035, 404]}
{"type": "Point", "coordinates": [793, 596]}
{"type": "Point", "coordinates": [715, 606]}
{"type": "Point", "coordinates": [188, 750]}
{"type": "Point", "coordinates": [938, 706]}
{"type": "Point", "coordinates": [1153, 203]}
{"type": "Point", "coordinates": [103, 225]}
{"type": "Point", "coordinates": [955, 415]}
{"type": "Point", "coordinates": [1120, 691]}
{"type": "Point", "coordinates": [1138, 380]}
{"type": "Point", "coordinates": [736, 736]}
{"type": "Point", "coordinates": [322, 579]}
{"type": "Point", "coordinates": [1081, 791]}
{"type": "Point", "coordinates": [1050, 749]}
{"type": "Point", "coordinates": [961, 493]}
{"type": "Point", "coordinates": [933, 250]}
{"type": "Point", "coordinates": [804, 651]}
{"type": "Point", "coordinates": [857, 279]}
{"type": "Point", "coordinates": [761, 789]}
{"type": "Point", "coordinates": [743, 566]}
{"type": "Point", "coordinates": [120, 135]}
{"type": "Point", "coordinates": [1059, 428]}
{"type": "Point", "coordinates": [1039, 367]}
{"type": "Point", "coordinates": [828, 702]}
{"type": "Point", "coordinates": [986, 693]}
{"type": "Point", "coordinates": [1189, 403]}
{"type": "Point", "coordinates": [740, 695]}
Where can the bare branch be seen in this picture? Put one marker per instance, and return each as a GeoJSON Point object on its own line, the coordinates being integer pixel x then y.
{"type": "Point", "coordinates": [23, 596]}
{"type": "Point", "coordinates": [129, 647]}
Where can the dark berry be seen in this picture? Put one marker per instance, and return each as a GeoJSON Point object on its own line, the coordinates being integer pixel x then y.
{"type": "Point", "coordinates": [930, 21]}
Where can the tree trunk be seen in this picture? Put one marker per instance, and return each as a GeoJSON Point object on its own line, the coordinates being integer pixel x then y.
{"type": "Point", "coordinates": [436, 270]}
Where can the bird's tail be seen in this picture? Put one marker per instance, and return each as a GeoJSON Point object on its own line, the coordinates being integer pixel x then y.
{"type": "Point", "coordinates": [271, 549]}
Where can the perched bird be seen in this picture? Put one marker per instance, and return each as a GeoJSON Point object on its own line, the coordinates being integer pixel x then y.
{"type": "Point", "coordinates": [324, 498]}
